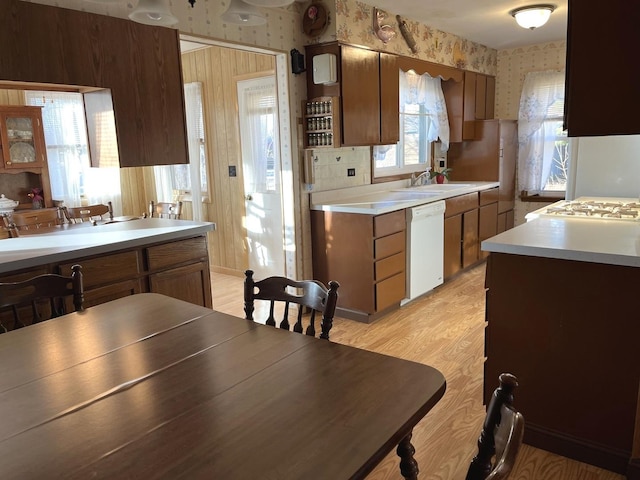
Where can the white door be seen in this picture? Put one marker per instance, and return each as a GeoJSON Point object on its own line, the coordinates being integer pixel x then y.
{"type": "Point", "coordinates": [258, 114]}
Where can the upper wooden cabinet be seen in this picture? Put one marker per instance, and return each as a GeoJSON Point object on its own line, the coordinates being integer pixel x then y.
{"type": "Point", "coordinates": [367, 84]}
{"type": "Point", "coordinates": [139, 64]}
{"type": "Point", "coordinates": [602, 77]}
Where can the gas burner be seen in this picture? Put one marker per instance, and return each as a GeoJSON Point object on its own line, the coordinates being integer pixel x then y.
{"type": "Point", "coordinates": [596, 209]}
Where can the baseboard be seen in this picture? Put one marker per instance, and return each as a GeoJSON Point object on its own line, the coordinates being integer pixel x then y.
{"type": "Point", "coordinates": [594, 454]}
{"type": "Point", "coordinates": [226, 271]}
{"type": "Point", "coordinates": [362, 316]}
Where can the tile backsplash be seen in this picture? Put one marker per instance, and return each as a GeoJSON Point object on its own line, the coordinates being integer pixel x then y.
{"type": "Point", "coordinates": [331, 166]}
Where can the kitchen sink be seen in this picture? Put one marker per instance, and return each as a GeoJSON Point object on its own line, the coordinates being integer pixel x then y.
{"type": "Point", "coordinates": [439, 187]}
{"type": "Point", "coordinates": [394, 196]}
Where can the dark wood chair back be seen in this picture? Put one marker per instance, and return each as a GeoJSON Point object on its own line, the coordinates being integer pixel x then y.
{"type": "Point", "coordinates": [309, 294]}
{"type": "Point", "coordinates": [44, 297]}
{"type": "Point", "coordinates": [501, 435]}
{"type": "Point", "coordinates": [165, 209]}
{"type": "Point", "coordinates": [99, 211]}
{"type": "Point", "coordinates": [30, 221]}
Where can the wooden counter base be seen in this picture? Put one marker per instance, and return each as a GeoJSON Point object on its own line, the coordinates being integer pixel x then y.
{"type": "Point", "coordinates": [568, 330]}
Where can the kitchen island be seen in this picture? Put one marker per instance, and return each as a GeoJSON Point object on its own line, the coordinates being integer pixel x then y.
{"type": "Point", "coordinates": [119, 259]}
{"type": "Point", "coordinates": [562, 315]}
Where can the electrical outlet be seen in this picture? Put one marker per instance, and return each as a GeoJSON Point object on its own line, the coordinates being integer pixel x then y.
{"type": "Point", "coordinates": [351, 172]}
{"type": "Point", "coordinates": [232, 171]}
{"type": "Point", "coordinates": [441, 163]}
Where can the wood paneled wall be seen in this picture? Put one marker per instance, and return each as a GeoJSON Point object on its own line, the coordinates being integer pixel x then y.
{"type": "Point", "coordinates": [217, 68]}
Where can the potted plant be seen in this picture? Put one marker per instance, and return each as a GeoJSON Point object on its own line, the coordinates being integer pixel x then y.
{"type": "Point", "coordinates": [440, 175]}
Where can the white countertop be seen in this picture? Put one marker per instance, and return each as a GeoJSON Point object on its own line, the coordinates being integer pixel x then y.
{"type": "Point", "coordinates": [84, 239]}
{"type": "Point", "coordinates": [387, 197]}
{"type": "Point", "coordinates": [599, 241]}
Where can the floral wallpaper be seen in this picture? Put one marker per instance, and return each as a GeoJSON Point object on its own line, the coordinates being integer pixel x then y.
{"type": "Point", "coordinates": [354, 24]}
{"type": "Point", "coordinates": [514, 64]}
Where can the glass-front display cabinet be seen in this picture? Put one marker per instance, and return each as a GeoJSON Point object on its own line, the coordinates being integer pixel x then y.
{"type": "Point", "coordinates": [22, 137]}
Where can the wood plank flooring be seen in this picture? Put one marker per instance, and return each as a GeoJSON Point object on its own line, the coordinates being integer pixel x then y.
{"type": "Point", "coordinates": [444, 329]}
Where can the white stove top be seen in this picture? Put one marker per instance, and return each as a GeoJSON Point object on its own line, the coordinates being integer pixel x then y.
{"type": "Point", "coordinates": [593, 208]}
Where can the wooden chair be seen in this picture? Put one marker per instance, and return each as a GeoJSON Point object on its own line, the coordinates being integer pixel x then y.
{"type": "Point", "coordinates": [30, 221]}
{"type": "Point", "coordinates": [501, 435]}
{"type": "Point", "coordinates": [44, 294]}
{"type": "Point", "coordinates": [165, 209]}
{"type": "Point", "coordinates": [312, 295]}
{"type": "Point", "coordinates": [89, 213]}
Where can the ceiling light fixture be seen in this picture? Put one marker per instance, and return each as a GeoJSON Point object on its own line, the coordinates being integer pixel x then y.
{"type": "Point", "coordinates": [243, 14]}
{"type": "Point", "coordinates": [269, 3]}
{"type": "Point", "coordinates": [153, 12]}
{"type": "Point", "coordinates": [532, 16]}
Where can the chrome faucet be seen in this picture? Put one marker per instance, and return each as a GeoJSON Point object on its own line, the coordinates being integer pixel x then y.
{"type": "Point", "coordinates": [420, 179]}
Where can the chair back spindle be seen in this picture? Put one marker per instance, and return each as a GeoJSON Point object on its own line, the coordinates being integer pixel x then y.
{"type": "Point", "coordinates": [312, 295]}
{"type": "Point", "coordinates": [50, 290]}
{"type": "Point", "coordinates": [501, 435]}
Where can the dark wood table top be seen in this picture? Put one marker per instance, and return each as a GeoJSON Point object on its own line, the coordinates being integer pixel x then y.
{"type": "Point", "coordinates": [152, 387]}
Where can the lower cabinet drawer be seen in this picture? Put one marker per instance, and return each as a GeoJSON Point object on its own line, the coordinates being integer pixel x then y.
{"type": "Point", "coordinates": [390, 291]}
{"type": "Point", "coordinates": [106, 269]}
{"type": "Point", "coordinates": [175, 253]}
{"type": "Point", "coordinates": [390, 266]}
{"type": "Point", "coordinates": [389, 245]}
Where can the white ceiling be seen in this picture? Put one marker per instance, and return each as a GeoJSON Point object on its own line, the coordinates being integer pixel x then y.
{"type": "Point", "coordinates": [483, 21]}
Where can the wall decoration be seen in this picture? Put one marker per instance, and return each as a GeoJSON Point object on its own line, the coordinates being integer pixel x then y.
{"type": "Point", "coordinates": [407, 35]}
{"type": "Point", "coordinates": [383, 32]}
{"type": "Point", "coordinates": [315, 20]}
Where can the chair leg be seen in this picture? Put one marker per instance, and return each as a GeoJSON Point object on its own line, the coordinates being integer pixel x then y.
{"type": "Point", "coordinates": [408, 464]}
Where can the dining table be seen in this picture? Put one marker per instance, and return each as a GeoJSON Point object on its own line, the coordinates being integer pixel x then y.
{"type": "Point", "coordinates": [152, 387]}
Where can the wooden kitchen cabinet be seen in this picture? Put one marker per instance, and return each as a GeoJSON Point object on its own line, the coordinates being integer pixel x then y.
{"type": "Point", "coordinates": [140, 65]}
{"type": "Point", "coordinates": [368, 88]}
{"type": "Point", "coordinates": [591, 109]}
{"type": "Point", "coordinates": [179, 269]}
{"type": "Point", "coordinates": [461, 223]}
{"type": "Point", "coordinates": [491, 158]}
{"type": "Point", "coordinates": [23, 154]}
{"type": "Point", "coordinates": [366, 254]}
{"type": "Point", "coordinates": [479, 100]}
{"type": "Point", "coordinates": [487, 217]}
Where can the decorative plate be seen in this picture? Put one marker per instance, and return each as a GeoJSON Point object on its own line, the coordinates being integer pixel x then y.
{"type": "Point", "coordinates": [22, 153]}
{"type": "Point", "coordinates": [315, 20]}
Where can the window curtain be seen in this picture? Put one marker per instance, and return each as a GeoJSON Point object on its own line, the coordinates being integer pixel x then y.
{"type": "Point", "coordinates": [71, 176]}
{"type": "Point", "coordinates": [536, 139]}
{"type": "Point", "coordinates": [171, 179]}
{"type": "Point", "coordinates": [426, 91]}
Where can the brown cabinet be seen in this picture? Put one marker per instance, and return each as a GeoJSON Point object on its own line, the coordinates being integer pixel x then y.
{"type": "Point", "coordinates": [487, 217]}
{"type": "Point", "coordinates": [367, 84]}
{"type": "Point", "coordinates": [138, 64]}
{"type": "Point", "coordinates": [491, 158]}
{"type": "Point", "coordinates": [23, 164]}
{"type": "Point", "coordinates": [461, 245]}
{"type": "Point", "coordinates": [479, 100]}
{"type": "Point", "coordinates": [366, 254]}
{"type": "Point", "coordinates": [590, 108]}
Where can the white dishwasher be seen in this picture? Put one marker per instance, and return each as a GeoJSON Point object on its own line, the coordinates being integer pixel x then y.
{"type": "Point", "coordinates": [425, 248]}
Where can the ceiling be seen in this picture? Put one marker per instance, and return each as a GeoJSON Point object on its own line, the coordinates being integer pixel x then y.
{"type": "Point", "coordinates": [483, 21]}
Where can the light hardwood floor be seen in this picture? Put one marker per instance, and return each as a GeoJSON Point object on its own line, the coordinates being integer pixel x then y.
{"type": "Point", "coordinates": [444, 329]}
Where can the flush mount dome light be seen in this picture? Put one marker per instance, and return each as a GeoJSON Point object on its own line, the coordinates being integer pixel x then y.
{"type": "Point", "coordinates": [269, 3]}
{"type": "Point", "coordinates": [153, 12]}
{"type": "Point", "coordinates": [532, 16]}
{"type": "Point", "coordinates": [243, 14]}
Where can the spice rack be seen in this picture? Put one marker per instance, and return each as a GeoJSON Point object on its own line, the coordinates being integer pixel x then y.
{"type": "Point", "coordinates": [321, 122]}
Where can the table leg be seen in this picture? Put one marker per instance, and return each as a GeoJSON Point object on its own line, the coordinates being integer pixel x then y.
{"type": "Point", "coordinates": [408, 464]}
